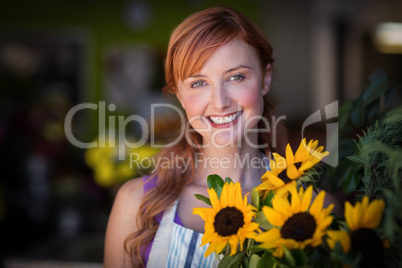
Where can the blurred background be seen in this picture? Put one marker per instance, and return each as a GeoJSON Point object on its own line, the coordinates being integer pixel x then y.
{"type": "Point", "coordinates": [54, 55]}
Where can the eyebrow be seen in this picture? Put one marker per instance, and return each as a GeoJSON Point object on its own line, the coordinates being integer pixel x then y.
{"type": "Point", "coordinates": [241, 66]}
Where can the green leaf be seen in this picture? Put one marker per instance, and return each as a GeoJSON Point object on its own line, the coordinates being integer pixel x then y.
{"type": "Point", "coordinates": [227, 179]}
{"type": "Point", "coordinates": [214, 181]}
{"type": "Point", "coordinates": [289, 257]}
{"type": "Point", "coordinates": [254, 259]}
{"type": "Point", "coordinates": [376, 88]}
{"type": "Point", "coordinates": [203, 198]}
{"type": "Point", "coordinates": [255, 198]}
{"type": "Point", "coordinates": [229, 261]}
{"type": "Point", "coordinates": [358, 113]}
{"type": "Point", "coordinates": [351, 178]}
{"type": "Point", "coordinates": [268, 199]}
{"type": "Point", "coordinates": [267, 260]}
{"type": "Point", "coordinates": [300, 257]}
{"type": "Point", "coordinates": [344, 112]}
{"type": "Point", "coordinates": [390, 95]}
{"type": "Point", "coordinates": [218, 191]}
{"type": "Point", "coordinates": [262, 221]}
{"type": "Point", "coordinates": [373, 109]}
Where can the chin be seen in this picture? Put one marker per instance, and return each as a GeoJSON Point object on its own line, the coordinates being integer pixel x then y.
{"type": "Point", "coordinates": [224, 139]}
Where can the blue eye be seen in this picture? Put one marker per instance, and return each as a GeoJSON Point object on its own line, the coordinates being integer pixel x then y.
{"type": "Point", "coordinates": [236, 77]}
{"type": "Point", "coordinates": [198, 84]}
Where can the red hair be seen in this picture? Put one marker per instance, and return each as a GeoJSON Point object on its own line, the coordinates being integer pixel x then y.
{"type": "Point", "coordinates": [191, 43]}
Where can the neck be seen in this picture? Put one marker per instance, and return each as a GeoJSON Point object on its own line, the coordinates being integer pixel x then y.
{"type": "Point", "coordinates": [242, 164]}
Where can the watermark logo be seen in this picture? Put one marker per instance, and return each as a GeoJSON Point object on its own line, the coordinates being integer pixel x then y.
{"type": "Point", "coordinates": [245, 130]}
{"type": "Point", "coordinates": [332, 129]}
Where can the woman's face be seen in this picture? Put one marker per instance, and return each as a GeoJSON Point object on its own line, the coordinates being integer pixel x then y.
{"type": "Point", "coordinates": [224, 99]}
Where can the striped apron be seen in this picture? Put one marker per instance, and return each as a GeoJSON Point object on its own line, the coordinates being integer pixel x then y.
{"type": "Point", "coordinates": [176, 246]}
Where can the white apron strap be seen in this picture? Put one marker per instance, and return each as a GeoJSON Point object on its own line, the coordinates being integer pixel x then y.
{"type": "Point", "coordinates": [160, 247]}
{"type": "Point", "coordinates": [175, 246]}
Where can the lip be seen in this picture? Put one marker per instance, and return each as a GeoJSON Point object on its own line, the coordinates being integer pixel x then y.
{"type": "Point", "coordinates": [225, 125]}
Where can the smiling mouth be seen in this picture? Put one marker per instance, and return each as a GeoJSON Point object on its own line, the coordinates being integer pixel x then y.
{"type": "Point", "coordinates": [219, 120]}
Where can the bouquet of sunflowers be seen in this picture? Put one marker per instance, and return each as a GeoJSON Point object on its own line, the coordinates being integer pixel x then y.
{"type": "Point", "coordinates": [285, 225]}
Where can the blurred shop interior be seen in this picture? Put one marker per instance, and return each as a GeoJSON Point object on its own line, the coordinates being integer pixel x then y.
{"type": "Point", "coordinates": [107, 58]}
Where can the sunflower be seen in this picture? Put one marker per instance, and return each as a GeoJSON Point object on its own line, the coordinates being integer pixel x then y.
{"type": "Point", "coordinates": [298, 223]}
{"type": "Point", "coordinates": [228, 221]}
{"type": "Point", "coordinates": [285, 171]}
{"type": "Point", "coordinates": [361, 221]}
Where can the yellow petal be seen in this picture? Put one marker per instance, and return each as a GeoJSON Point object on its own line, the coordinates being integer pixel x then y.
{"type": "Point", "coordinates": [280, 162]}
{"type": "Point", "coordinates": [275, 168]}
{"type": "Point", "coordinates": [278, 252]}
{"type": "Point", "coordinates": [274, 217]}
{"type": "Point", "coordinates": [208, 237]}
{"type": "Point", "coordinates": [295, 201]}
{"type": "Point", "coordinates": [306, 165]}
{"type": "Point", "coordinates": [353, 215]}
{"type": "Point", "coordinates": [338, 236]}
{"type": "Point", "coordinates": [211, 248]}
{"type": "Point", "coordinates": [292, 172]}
{"type": "Point", "coordinates": [306, 199]}
{"type": "Point", "coordinates": [316, 157]}
{"type": "Point", "coordinates": [349, 216]}
{"type": "Point", "coordinates": [282, 206]}
{"type": "Point", "coordinates": [214, 200]}
{"type": "Point", "coordinates": [231, 194]}
{"type": "Point", "coordinates": [318, 203]}
{"type": "Point", "coordinates": [249, 229]}
{"type": "Point", "coordinates": [238, 201]}
{"type": "Point", "coordinates": [313, 144]}
{"type": "Point", "coordinates": [270, 237]}
{"type": "Point", "coordinates": [220, 244]}
{"type": "Point", "coordinates": [233, 241]}
{"type": "Point", "coordinates": [365, 202]}
{"type": "Point", "coordinates": [357, 215]}
{"type": "Point", "coordinates": [207, 214]}
{"type": "Point", "coordinates": [290, 159]}
{"type": "Point", "coordinates": [301, 153]}
{"type": "Point", "coordinates": [323, 214]}
{"type": "Point", "coordinates": [224, 196]}
{"type": "Point", "coordinates": [373, 214]}
{"type": "Point", "coordinates": [275, 181]}
{"type": "Point", "coordinates": [242, 203]}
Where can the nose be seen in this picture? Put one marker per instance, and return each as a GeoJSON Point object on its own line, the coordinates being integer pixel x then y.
{"type": "Point", "coordinates": [220, 98]}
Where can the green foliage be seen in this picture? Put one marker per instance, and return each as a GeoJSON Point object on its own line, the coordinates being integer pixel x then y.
{"type": "Point", "coordinates": [232, 261]}
{"type": "Point", "coordinates": [379, 152]}
{"type": "Point", "coordinates": [255, 198]}
{"type": "Point", "coordinates": [203, 198]}
{"type": "Point", "coordinates": [372, 106]}
{"type": "Point", "coordinates": [268, 199]}
{"type": "Point", "coordinates": [214, 182]}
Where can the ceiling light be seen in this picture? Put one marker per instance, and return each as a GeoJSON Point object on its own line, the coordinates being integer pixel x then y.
{"type": "Point", "coordinates": [388, 37]}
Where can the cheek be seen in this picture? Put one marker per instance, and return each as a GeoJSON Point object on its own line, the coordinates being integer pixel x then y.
{"type": "Point", "coordinates": [193, 106]}
{"type": "Point", "coordinates": [252, 100]}
{"type": "Point", "coordinates": [195, 109]}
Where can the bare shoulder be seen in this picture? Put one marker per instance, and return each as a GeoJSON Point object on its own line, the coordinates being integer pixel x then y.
{"type": "Point", "coordinates": [122, 222]}
{"type": "Point", "coordinates": [131, 190]}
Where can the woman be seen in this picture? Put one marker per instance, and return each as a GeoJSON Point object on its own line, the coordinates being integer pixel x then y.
{"type": "Point", "coordinates": [219, 66]}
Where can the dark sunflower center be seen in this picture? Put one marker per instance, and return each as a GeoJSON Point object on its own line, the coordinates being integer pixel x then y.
{"type": "Point", "coordinates": [284, 177]}
{"type": "Point", "coordinates": [228, 221]}
{"type": "Point", "coordinates": [299, 227]}
{"type": "Point", "coordinates": [368, 244]}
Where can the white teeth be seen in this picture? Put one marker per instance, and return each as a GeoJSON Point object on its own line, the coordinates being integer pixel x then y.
{"type": "Point", "coordinates": [224, 119]}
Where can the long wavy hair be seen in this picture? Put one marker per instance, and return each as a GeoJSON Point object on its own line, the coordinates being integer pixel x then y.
{"type": "Point", "coordinates": [191, 43]}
